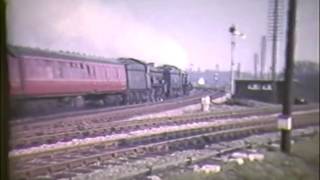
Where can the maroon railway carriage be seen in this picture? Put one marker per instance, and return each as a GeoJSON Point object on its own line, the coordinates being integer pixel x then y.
{"type": "Point", "coordinates": [42, 79]}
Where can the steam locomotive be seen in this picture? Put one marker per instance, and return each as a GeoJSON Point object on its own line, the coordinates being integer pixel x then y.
{"type": "Point", "coordinates": [42, 80]}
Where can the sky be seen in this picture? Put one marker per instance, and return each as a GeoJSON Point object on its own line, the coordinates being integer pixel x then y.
{"type": "Point", "coordinates": [177, 32]}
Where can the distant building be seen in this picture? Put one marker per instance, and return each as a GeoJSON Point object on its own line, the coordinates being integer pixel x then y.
{"type": "Point", "coordinates": [260, 90]}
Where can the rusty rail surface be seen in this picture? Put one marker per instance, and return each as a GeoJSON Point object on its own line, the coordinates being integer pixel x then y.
{"type": "Point", "coordinates": [49, 135]}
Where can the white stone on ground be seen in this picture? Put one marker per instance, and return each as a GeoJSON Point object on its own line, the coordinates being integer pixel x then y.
{"type": "Point", "coordinates": [239, 161]}
{"type": "Point", "coordinates": [207, 168]}
{"type": "Point", "coordinates": [255, 156]}
{"type": "Point", "coordinates": [153, 177]}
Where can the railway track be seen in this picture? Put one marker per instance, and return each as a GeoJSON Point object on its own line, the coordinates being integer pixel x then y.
{"type": "Point", "coordinates": [105, 114]}
{"type": "Point", "coordinates": [82, 112]}
{"type": "Point", "coordinates": [79, 124]}
{"type": "Point", "coordinates": [49, 135]}
{"type": "Point", "coordinates": [81, 160]}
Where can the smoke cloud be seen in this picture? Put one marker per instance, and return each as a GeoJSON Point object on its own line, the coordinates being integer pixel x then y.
{"type": "Point", "coordinates": [93, 27]}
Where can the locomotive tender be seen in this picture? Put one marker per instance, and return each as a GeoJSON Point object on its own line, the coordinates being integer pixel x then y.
{"type": "Point", "coordinates": [43, 80]}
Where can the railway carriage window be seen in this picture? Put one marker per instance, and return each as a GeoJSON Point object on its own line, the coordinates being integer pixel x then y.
{"type": "Point", "coordinates": [70, 70]}
{"type": "Point", "coordinates": [34, 69]}
{"type": "Point", "coordinates": [57, 70]}
{"type": "Point", "coordinates": [41, 72]}
{"type": "Point", "coordinates": [106, 74]}
{"type": "Point", "coordinates": [102, 73]}
{"type": "Point", "coordinates": [98, 73]}
{"type": "Point", "coordinates": [82, 72]}
{"type": "Point", "coordinates": [13, 71]}
{"type": "Point", "coordinates": [79, 71]}
{"type": "Point", "coordinates": [48, 69]}
{"type": "Point", "coordinates": [93, 71]}
{"type": "Point", "coordinates": [88, 70]}
{"type": "Point", "coordinates": [110, 73]}
{"type": "Point", "coordinates": [73, 65]}
{"type": "Point", "coordinates": [61, 72]}
{"type": "Point", "coordinates": [31, 69]}
{"type": "Point", "coordinates": [66, 70]}
{"type": "Point", "coordinates": [116, 73]}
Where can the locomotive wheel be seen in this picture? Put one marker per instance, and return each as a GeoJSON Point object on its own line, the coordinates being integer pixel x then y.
{"type": "Point", "coordinates": [140, 97]}
{"type": "Point", "coordinates": [136, 98]}
{"type": "Point", "coordinates": [124, 99]}
{"type": "Point", "coordinates": [130, 98]}
{"type": "Point", "coordinates": [106, 101]}
{"type": "Point", "coordinates": [152, 95]}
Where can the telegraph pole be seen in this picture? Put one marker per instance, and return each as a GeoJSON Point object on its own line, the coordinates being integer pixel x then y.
{"type": "Point", "coordinates": [233, 44]}
{"type": "Point", "coordinates": [276, 14]}
{"type": "Point", "coordinates": [285, 121]}
{"type": "Point", "coordinates": [216, 76]}
{"type": "Point", "coordinates": [234, 33]}
{"type": "Point", "coordinates": [238, 70]}
{"type": "Point", "coordinates": [255, 65]}
{"type": "Point", "coordinates": [263, 56]}
{"type": "Point", "coordinates": [274, 40]}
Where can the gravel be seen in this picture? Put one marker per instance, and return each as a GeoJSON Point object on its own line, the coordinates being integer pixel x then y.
{"type": "Point", "coordinates": [131, 167]}
{"type": "Point", "coordinates": [136, 133]}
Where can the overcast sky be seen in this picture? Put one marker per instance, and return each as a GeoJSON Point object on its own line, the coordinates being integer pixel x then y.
{"type": "Point", "coordinates": [179, 32]}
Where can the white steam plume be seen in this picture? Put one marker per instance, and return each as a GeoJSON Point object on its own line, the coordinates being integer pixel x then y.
{"type": "Point", "coordinates": [97, 27]}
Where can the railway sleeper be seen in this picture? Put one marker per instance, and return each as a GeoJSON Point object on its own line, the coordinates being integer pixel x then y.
{"type": "Point", "coordinates": [138, 152]}
{"type": "Point", "coordinates": [152, 139]}
{"type": "Point", "coordinates": [57, 168]}
{"type": "Point", "coordinates": [75, 164]}
{"type": "Point", "coordinates": [132, 153]}
{"type": "Point", "coordinates": [173, 147]}
{"type": "Point", "coordinates": [153, 149]}
{"type": "Point", "coordinates": [105, 158]}
{"type": "Point", "coordinates": [33, 173]}
{"type": "Point", "coordinates": [63, 175]}
{"type": "Point", "coordinates": [264, 129]}
{"type": "Point", "coordinates": [183, 144]}
{"type": "Point", "coordinates": [84, 149]}
{"type": "Point", "coordinates": [82, 170]}
{"type": "Point", "coordinates": [92, 161]}
{"type": "Point", "coordinates": [51, 140]}
{"type": "Point", "coordinates": [165, 148]}
{"type": "Point", "coordinates": [172, 136]}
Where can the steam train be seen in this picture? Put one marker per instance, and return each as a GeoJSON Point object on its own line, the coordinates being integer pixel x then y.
{"type": "Point", "coordinates": [42, 80]}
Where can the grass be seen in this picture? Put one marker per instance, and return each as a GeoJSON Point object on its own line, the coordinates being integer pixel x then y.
{"type": "Point", "coordinates": [301, 164]}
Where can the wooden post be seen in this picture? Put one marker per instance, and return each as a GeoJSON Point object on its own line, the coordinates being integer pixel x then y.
{"type": "Point", "coordinates": [285, 121]}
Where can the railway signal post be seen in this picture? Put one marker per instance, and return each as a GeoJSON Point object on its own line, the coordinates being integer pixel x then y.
{"type": "Point", "coordinates": [234, 33]}
{"type": "Point", "coordinates": [285, 120]}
